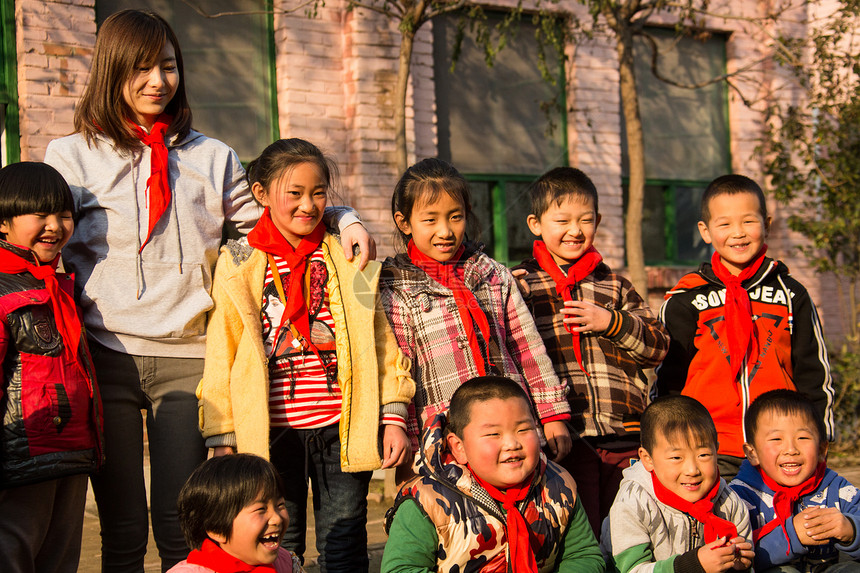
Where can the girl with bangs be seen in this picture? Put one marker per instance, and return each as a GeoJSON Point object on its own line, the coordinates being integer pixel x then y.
{"type": "Point", "coordinates": [457, 313]}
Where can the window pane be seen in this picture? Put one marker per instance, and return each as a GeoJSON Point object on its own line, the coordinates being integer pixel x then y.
{"type": "Point", "coordinates": [691, 247]}
{"type": "Point", "coordinates": [226, 67]}
{"type": "Point", "coordinates": [482, 207]}
{"type": "Point", "coordinates": [518, 207]}
{"type": "Point", "coordinates": [686, 131]}
{"type": "Point", "coordinates": [653, 224]}
{"type": "Point", "coordinates": [490, 119]}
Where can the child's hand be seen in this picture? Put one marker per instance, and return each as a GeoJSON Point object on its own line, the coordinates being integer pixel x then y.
{"type": "Point", "coordinates": [744, 553]}
{"type": "Point", "coordinates": [719, 555]}
{"type": "Point", "coordinates": [558, 439]}
{"type": "Point", "coordinates": [585, 316]}
{"type": "Point", "coordinates": [395, 446]}
{"type": "Point", "coordinates": [821, 524]}
{"type": "Point", "coordinates": [356, 234]}
{"type": "Point", "coordinates": [519, 275]}
{"type": "Point", "coordinates": [219, 451]}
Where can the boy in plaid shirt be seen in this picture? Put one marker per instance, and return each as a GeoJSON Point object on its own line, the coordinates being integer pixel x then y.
{"type": "Point", "coordinates": [598, 331]}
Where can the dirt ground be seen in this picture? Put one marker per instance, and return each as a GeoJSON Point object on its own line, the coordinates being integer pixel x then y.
{"type": "Point", "coordinates": [91, 549]}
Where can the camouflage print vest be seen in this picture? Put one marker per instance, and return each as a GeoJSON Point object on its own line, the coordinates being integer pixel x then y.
{"type": "Point", "coordinates": [471, 525]}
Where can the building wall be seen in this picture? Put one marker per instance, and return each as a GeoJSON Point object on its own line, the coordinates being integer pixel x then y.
{"type": "Point", "coordinates": [335, 81]}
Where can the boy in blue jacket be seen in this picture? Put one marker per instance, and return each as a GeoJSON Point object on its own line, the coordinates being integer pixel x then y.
{"type": "Point", "coordinates": [803, 514]}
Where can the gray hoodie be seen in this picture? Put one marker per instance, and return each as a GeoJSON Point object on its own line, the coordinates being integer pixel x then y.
{"type": "Point", "coordinates": [154, 302]}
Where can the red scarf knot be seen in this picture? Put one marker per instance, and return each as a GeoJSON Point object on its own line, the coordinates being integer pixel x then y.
{"type": "Point", "coordinates": [63, 305]}
{"type": "Point", "coordinates": [211, 555]}
{"type": "Point", "coordinates": [784, 499]}
{"type": "Point", "coordinates": [266, 237]}
{"type": "Point", "coordinates": [565, 283]}
{"type": "Point", "coordinates": [450, 274]}
{"type": "Point", "coordinates": [743, 344]}
{"type": "Point", "coordinates": [522, 557]}
{"type": "Point", "coordinates": [158, 184]}
{"type": "Point", "coordinates": [702, 511]}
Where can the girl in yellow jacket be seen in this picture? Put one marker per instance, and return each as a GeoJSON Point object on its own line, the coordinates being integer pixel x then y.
{"type": "Point", "coordinates": [301, 365]}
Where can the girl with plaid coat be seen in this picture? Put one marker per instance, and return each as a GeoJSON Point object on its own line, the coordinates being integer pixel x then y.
{"type": "Point", "coordinates": [457, 313]}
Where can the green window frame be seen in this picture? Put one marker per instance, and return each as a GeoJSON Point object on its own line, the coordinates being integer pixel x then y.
{"type": "Point", "coordinates": [498, 106]}
{"type": "Point", "coordinates": [9, 127]}
{"type": "Point", "coordinates": [687, 144]}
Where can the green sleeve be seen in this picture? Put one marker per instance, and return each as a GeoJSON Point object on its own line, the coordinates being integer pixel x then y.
{"type": "Point", "coordinates": [412, 542]}
{"type": "Point", "coordinates": [580, 552]}
{"type": "Point", "coordinates": [641, 555]}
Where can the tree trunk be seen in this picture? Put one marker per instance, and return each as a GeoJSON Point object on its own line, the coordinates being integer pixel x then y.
{"type": "Point", "coordinates": [636, 155]}
{"type": "Point", "coordinates": [407, 39]}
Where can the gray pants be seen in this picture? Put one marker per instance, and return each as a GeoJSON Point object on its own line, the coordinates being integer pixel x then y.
{"type": "Point", "coordinates": [41, 526]}
{"type": "Point", "coordinates": [165, 389]}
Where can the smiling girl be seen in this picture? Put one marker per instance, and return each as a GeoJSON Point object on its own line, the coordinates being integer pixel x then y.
{"type": "Point", "coordinates": [301, 366]}
{"type": "Point", "coordinates": [154, 198]}
{"type": "Point", "coordinates": [456, 312]}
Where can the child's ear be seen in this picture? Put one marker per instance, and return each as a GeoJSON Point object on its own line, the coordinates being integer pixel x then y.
{"type": "Point", "coordinates": [260, 193]}
{"type": "Point", "coordinates": [217, 537]}
{"type": "Point", "coordinates": [645, 459]}
{"type": "Point", "coordinates": [534, 224]}
{"type": "Point", "coordinates": [597, 218]}
{"type": "Point", "coordinates": [768, 220]}
{"type": "Point", "coordinates": [822, 450]}
{"type": "Point", "coordinates": [402, 223]}
{"type": "Point", "coordinates": [455, 445]}
{"type": "Point", "coordinates": [703, 231]}
{"type": "Point", "coordinates": [749, 451]}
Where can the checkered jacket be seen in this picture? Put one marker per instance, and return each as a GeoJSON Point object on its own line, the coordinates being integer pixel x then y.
{"type": "Point", "coordinates": [610, 399]}
{"type": "Point", "coordinates": [429, 331]}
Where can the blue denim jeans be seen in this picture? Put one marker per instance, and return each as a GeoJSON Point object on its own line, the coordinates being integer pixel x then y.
{"type": "Point", "coordinates": [339, 498]}
{"type": "Point", "coordinates": [164, 388]}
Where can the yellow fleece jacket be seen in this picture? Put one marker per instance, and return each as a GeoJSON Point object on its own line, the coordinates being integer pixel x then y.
{"type": "Point", "coordinates": [234, 391]}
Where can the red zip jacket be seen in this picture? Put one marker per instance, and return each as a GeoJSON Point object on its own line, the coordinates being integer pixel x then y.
{"type": "Point", "coordinates": [51, 412]}
{"type": "Point", "coordinates": [792, 352]}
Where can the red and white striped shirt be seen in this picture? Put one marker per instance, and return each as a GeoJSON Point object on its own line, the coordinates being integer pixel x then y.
{"type": "Point", "coordinates": [303, 387]}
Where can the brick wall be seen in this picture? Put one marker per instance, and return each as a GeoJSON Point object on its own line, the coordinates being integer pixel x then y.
{"type": "Point", "coordinates": [55, 42]}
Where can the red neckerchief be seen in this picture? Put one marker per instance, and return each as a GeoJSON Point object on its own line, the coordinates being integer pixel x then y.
{"type": "Point", "coordinates": [65, 312]}
{"type": "Point", "coordinates": [784, 499]}
{"type": "Point", "coordinates": [564, 283]}
{"type": "Point", "coordinates": [738, 309]}
{"type": "Point", "coordinates": [519, 533]}
{"type": "Point", "coordinates": [212, 556]}
{"type": "Point", "coordinates": [702, 510]}
{"type": "Point", "coordinates": [158, 184]}
{"type": "Point", "coordinates": [450, 275]}
{"type": "Point", "coordinates": [266, 237]}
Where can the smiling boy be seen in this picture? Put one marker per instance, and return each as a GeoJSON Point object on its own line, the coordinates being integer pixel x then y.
{"type": "Point", "coordinates": [804, 514]}
{"type": "Point", "coordinates": [598, 332]}
{"type": "Point", "coordinates": [673, 512]}
{"type": "Point", "coordinates": [741, 324]}
{"type": "Point", "coordinates": [486, 498]}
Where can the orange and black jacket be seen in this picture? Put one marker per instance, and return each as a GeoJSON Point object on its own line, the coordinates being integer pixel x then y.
{"type": "Point", "coordinates": [792, 352]}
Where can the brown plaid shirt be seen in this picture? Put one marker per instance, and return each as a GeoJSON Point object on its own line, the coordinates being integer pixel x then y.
{"type": "Point", "coordinates": [614, 392]}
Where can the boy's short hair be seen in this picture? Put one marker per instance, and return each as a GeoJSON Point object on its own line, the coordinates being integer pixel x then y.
{"type": "Point", "coordinates": [556, 185]}
{"type": "Point", "coordinates": [32, 187]}
{"type": "Point", "coordinates": [677, 415]}
{"type": "Point", "coordinates": [731, 185]}
{"type": "Point", "coordinates": [786, 402]}
{"type": "Point", "coordinates": [480, 389]}
{"type": "Point", "coordinates": [219, 489]}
